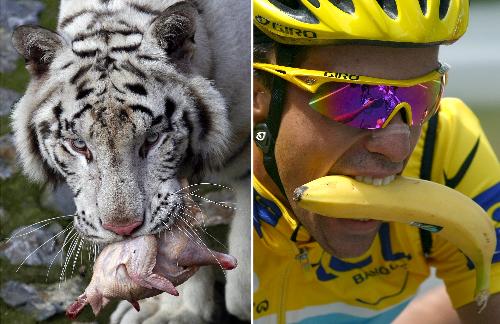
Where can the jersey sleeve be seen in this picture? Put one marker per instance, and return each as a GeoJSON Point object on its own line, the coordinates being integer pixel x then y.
{"type": "Point", "coordinates": [465, 161]}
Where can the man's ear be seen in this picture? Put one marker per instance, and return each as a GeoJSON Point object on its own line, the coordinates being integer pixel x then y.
{"type": "Point", "coordinates": [38, 46]}
{"type": "Point", "coordinates": [261, 101]}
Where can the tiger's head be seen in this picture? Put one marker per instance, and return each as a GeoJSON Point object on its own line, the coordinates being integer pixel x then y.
{"type": "Point", "coordinates": [115, 109]}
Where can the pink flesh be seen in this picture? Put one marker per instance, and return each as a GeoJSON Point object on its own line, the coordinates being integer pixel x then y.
{"type": "Point", "coordinates": [148, 266]}
{"type": "Point", "coordinates": [76, 308]}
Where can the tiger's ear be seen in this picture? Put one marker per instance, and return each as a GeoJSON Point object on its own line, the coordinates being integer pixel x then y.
{"type": "Point", "coordinates": [38, 46]}
{"type": "Point", "coordinates": [174, 30]}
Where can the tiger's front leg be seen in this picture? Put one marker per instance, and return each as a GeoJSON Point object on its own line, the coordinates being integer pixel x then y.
{"type": "Point", "coordinates": [238, 298]}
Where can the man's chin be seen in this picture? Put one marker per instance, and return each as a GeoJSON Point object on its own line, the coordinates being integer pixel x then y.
{"type": "Point", "coordinates": [347, 238]}
{"type": "Point", "coordinates": [358, 227]}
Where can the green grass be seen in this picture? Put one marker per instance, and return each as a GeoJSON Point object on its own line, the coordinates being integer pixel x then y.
{"type": "Point", "coordinates": [4, 125]}
{"type": "Point", "coordinates": [16, 80]}
{"type": "Point", "coordinates": [48, 18]}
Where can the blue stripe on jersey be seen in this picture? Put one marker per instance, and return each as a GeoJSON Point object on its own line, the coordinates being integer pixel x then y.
{"type": "Point", "coordinates": [339, 318]}
{"type": "Point", "coordinates": [496, 255]}
{"type": "Point", "coordinates": [488, 198]}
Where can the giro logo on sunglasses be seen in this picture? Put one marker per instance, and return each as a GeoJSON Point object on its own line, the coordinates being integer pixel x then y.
{"type": "Point", "coordinates": [345, 76]}
{"type": "Point", "coordinates": [284, 29]}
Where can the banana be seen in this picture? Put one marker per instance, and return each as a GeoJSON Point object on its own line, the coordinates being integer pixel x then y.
{"type": "Point", "coordinates": [417, 202]}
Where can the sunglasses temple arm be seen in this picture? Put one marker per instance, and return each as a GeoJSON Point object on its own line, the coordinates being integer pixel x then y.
{"type": "Point", "coordinates": [286, 76]}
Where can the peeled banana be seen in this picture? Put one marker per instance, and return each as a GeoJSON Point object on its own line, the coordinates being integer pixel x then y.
{"type": "Point", "coordinates": [417, 202]}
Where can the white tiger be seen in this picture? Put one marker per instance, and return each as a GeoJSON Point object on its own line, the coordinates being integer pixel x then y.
{"type": "Point", "coordinates": [128, 98]}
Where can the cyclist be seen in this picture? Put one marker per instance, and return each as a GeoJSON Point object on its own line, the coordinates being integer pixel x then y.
{"type": "Point", "coordinates": [313, 269]}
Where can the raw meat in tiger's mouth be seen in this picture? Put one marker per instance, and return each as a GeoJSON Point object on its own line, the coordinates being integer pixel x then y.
{"type": "Point", "coordinates": [145, 266]}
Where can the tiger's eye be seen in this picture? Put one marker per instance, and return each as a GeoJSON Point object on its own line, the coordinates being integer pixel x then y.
{"type": "Point", "coordinates": [79, 144]}
{"type": "Point", "coordinates": [152, 138]}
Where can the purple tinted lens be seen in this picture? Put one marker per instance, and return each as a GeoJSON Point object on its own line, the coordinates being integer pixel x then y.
{"type": "Point", "coordinates": [369, 106]}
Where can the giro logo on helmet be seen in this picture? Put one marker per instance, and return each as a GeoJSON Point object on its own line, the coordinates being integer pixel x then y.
{"type": "Point", "coordinates": [284, 29]}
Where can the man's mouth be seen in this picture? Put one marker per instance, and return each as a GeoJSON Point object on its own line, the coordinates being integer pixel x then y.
{"type": "Point", "coordinates": [376, 181]}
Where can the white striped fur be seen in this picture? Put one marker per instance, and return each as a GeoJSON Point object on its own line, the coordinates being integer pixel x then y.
{"type": "Point", "coordinates": [116, 73]}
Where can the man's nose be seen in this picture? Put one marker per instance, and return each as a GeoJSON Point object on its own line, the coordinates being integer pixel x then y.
{"type": "Point", "coordinates": [393, 141]}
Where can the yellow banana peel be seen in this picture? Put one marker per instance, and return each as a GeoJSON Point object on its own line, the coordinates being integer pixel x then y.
{"type": "Point", "coordinates": [417, 202]}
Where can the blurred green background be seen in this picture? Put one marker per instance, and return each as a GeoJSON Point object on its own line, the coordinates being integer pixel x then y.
{"type": "Point", "coordinates": [475, 55]}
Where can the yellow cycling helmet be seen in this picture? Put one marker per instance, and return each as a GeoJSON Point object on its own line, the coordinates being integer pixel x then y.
{"type": "Point", "coordinates": [317, 22]}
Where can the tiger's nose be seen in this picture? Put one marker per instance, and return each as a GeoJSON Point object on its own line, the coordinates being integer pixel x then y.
{"type": "Point", "coordinates": [122, 229]}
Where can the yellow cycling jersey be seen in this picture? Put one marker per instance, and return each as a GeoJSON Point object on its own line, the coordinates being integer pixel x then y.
{"type": "Point", "coordinates": [296, 281]}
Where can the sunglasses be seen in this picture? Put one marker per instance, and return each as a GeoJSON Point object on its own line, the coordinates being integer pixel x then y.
{"type": "Point", "coordinates": [366, 102]}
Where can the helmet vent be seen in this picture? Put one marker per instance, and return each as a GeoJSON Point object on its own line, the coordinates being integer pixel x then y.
{"type": "Point", "coordinates": [295, 10]}
{"type": "Point", "coordinates": [314, 3]}
{"type": "Point", "coordinates": [444, 5]}
{"type": "Point", "coordinates": [345, 5]}
{"type": "Point", "coordinates": [390, 7]}
{"type": "Point", "coordinates": [423, 6]}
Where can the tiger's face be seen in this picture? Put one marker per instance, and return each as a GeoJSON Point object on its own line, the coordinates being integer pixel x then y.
{"type": "Point", "coordinates": [123, 120]}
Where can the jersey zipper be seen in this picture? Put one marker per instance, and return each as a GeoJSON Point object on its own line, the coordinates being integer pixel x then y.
{"type": "Point", "coordinates": [303, 258]}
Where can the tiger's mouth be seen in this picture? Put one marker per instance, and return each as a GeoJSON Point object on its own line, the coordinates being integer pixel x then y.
{"type": "Point", "coordinates": [167, 210]}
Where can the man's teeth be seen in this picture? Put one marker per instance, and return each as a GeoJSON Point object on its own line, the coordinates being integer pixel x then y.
{"type": "Point", "coordinates": [375, 181]}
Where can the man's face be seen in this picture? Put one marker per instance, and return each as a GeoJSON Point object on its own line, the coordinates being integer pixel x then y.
{"type": "Point", "coordinates": [310, 146]}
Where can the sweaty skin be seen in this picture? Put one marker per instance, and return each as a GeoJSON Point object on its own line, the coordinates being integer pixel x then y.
{"type": "Point", "coordinates": [143, 267]}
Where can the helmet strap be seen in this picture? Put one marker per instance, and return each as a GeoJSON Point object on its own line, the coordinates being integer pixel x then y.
{"type": "Point", "coordinates": [265, 134]}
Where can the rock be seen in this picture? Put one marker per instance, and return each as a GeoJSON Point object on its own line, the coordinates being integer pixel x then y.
{"type": "Point", "coordinates": [13, 14]}
{"type": "Point", "coordinates": [16, 293]}
{"type": "Point", "coordinates": [19, 12]}
{"type": "Point", "coordinates": [6, 170]}
{"type": "Point", "coordinates": [7, 157]}
{"type": "Point", "coordinates": [41, 301]}
{"type": "Point", "coordinates": [60, 198]}
{"type": "Point", "coordinates": [39, 310]}
{"type": "Point", "coordinates": [7, 148]}
{"type": "Point", "coordinates": [18, 248]}
{"type": "Point", "coordinates": [213, 210]}
{"type": "Point", "coordinates": [7, 99]}
{"type": "Point", "coordinates": [63, 295]}
{"type": "Point", "coordinates": [8, 55]}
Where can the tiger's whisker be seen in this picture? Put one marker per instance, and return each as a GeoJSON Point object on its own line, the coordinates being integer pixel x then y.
{"type": "Point", "coordinates": [207, 233]}
{"type": "Point", "coordinates": [203, 183]}
{"type": "Point", "coordinates": [78, 250]}
{"type": "Point", "coordinates": [68, 256]}
{"type": "Point", "coordinates": [214, 202]}
{"type": "Point", "coordinates": [42, 221]}
{"type": "Point", "coordinates": [33, 230]}
{"type": "Point", "coordinates": [60, 250]}
{"type": "Point", "coordinates": [50, 239]}
{"type": "Point", "coordinates": [201, 243]}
